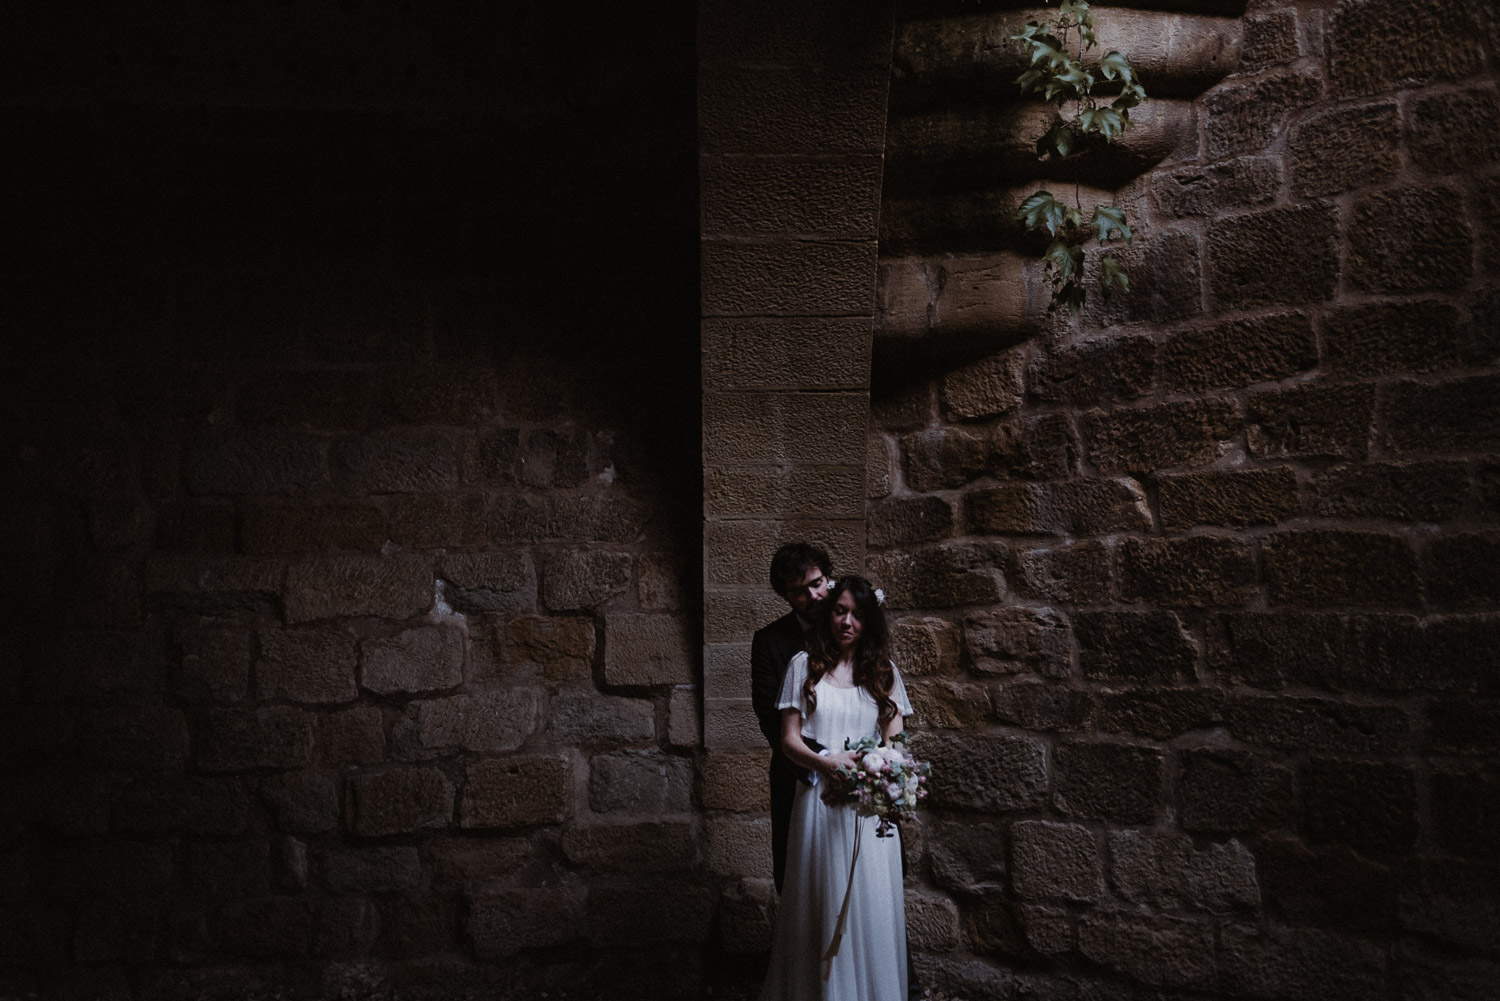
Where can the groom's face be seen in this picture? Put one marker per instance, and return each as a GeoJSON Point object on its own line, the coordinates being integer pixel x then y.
{"type": "Point", "coordinates": [807, 593]}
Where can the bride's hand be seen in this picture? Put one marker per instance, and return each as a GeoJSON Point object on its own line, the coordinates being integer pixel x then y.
{"type": "Point", "coordinates": [847, 759]}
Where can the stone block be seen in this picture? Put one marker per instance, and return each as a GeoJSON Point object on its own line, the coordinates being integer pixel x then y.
{"type": "Point", "coordinates": [1093, 372]}
{"type": "Point", "coordinates": [803, 491]}
{"type": "Point", "coordinates": [399, 801]}
{"type": "Point", "coordinates": [661, 579]}
{"type": "Point", "coordinates": [214, 581]}
{"type": "Point", "coordinates": [576, 717]}
{"type": "Point", "coordinates": [733, 616]}
{"type": "Point", "coordinates": [1393, 338]}
{"type": "Point", "coordinates": [1268, 39]}
{"type": "Point", "coordinates": [1409, 240]}
{"type": "Point", "coordinates": [978, 295]}
{"type": "Point", "coordinates": [1451, 900]}
{"type": "Point", "coordinates": [242, 740]}
{"type": "Point", "coordinates": [944, 704]}
{"type": "Point", "coordinates": [1018, 640]}
{"type": "Point", "coordinates": [1241, 183]}
{"type": "Point", "coordinates": [347, 928]}
{"type": "Point", "coordinates": [792, 109]}
{"type": "Point", "coordinates": [684, 720]}
{"type": "Point", "coordinates": [1056, 861]}
{"type": "Point", "coordinates": [1310, 420]}
{"type": "Point", "coordinates": [1002, 772]}
{"type": "Point", "coordinates": [504, 922]}
{"type": "Point", "coordinates": [1272, 257]}
{"type": "Point", "coordinates": [1318, 725]}
{"type": "Point", "coordinates": [808, 352]}
{"type": "Point", "coordinates": [370, 870]}
{"type": "Point", "coordinates": [267, 928]}
{"type": "Point", "coordinates": [931, 922]}
{"type": "Point", "coordinates": [266, 462]}
{"type": "Point", "coordinates": [924, 646]}
{"type": "Point", "coordinates": [1231, 792]}
{"type": "Point", "coordinates": [1300, 965]}
{"type": "Point", "coordinates": [1463, 817]}
{"type": "Point", "coordinates": [1170, 872]}
{"type": "Point", "coordinates": [812, 428]}
{"type": "Point", "coordinates": [738, 846]}
{"type": "Point", "coordinates": [1079, 573]}
{"type": "Point", "coordinates": [880, 469]}
{"type": "Point", "coordinates": [651, 914]}
{"type": "Point", "coordinates": [647, 649]}
{"type": "Point", "coordinates": [1447, 133]}
{"type": "Point", "coordinates": [489, 458]}
{"type": "Point", "coordinates": [1158, 950]}
{"type": "Point", "coordinates": [563, 646]}
{"type": "Point", "coordinates": [400, 460]}
{"type": "Point", "coordinates": [788, 278]}
{"type": "Point", "coordinates": [305, 802]}
{"type": "Point", "coordinates": [577, 580]}
{"type": "Point", "coordinates": [903, 521]}
{"type": "Point", "coordinates": [425, 659]}
{"type": "Point", "coordinates": [646, 782]}
{"type": "Point", "coordinates": [488, 582]}
{"type": "Point", "coordinates": [1039, 447]}
{"type": "Point", "coordinates": [1228, 497]}
{"type": "Point", "coordinates": [1251, 117]}
{"type": "Point", "coordinates": [730, 723]}
{"type": "Point", "coordinates": [1239, 353]}
{"type": "Point", "coordinates": [1331, 567]}
{"type": "Point", "coordinates": [1376, 49]}
{"type": "Point", "coordinates": [1330, 886]}
{"type": "Point", "coordinates": [311, 528]}
{"type": "Point", "coordinates": [487, 722]}
{"type": "Point", "coordinates": [585, 517]}
{"type": "Point", "coordinates": [1416, 491]}
{"type": "Point", "coordinates": [745, 909]}
{"type": "Point", "coordinates": [1370, 807]}
{"type": "Point", "coordinates": [726, 671]}
{"type": "Point", "coordinates": [555, 457]}
{"type": "Point", "coordinates": [516, 792]}
{"type": "Point", "coordinates": [941, 458]}
{"type": "Point", "coordinates": [1345, 149]}
{"type": "Point", "coordinates": [1460, 415]}
{"type": "Point", "coordinates": [1084, 507]}
{"type": "Point", "coordinates": [351, 737]}
{"type": "Point", "coordinates": [632, 848]}
{"type": "Point", "coordinates": [737, 780]}
{"type": "Point", "coordinates": [392, 587]}
{"type": "Point", "coordinates": [1430, 975]}
{"type": "Point", "coordinates": [1164, 435]}
{"type": "Point", "coordinates": [1109, 781]}
{"type": "Point", "coordinates": [215, 665]}
{"type": "Point", "coordinates": [1134, 646]}
{"type": "Point", "coordinates": [774, 195]}
{"type": "Point", "coordinates": [967, 856]}
{"type": "Point", "coordinates": [1463, 726]}
{"type": "Point", "coordinates": [1036, 705]}
{"type": "Point", "coordinates": [1166, 282]}
{"type": "Point", "coordinates": [941, 576]}
{"type": "Point", "coordinates": [306, 665]}
{"type": "Point", "coordinates": [1196, 571]}
{"type": "Point", "coordinates": [987, 388]}
{"type": "Point", "coordinates": [435, 521]}
{"type": "Point", "coordinates": [1159, 713]}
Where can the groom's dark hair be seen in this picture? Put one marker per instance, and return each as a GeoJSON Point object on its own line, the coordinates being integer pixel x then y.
{"type": "Point", "coordinates": [793, 560]}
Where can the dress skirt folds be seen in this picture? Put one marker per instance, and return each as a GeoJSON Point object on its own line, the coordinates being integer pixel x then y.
{"type": "Point", "coordinates": [871, 961]}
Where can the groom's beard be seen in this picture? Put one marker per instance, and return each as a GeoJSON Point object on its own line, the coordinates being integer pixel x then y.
{"type": "Point", "coordinates": [808, 621]}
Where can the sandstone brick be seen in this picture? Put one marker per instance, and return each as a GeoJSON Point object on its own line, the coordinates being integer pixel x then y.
{"type": "Point", "coordinates": [588, 717]}
{"type": "Point", "coordinates": [1239, 353]}
{"type": "Point", "coordinates": [880, 469]}
{"type": "Point", "coordinates": [1169, 871]}
{"type": "Point", "coordinates": [986, 388]}
{"type": "Point", "coordinates": [1042, 707]}
{"type": "Point", "coordinates": [939, 458]}
{"type": "Point", "coordinates": [744, 916]}
{"type": "Point", "coordinates": [215, 665]}
{"type": "Point", "coordinates": [1229, 497]}
{"type": "Point", "coordinates": [991, 928]}
{"type": "Point", "coordinates": [442, 394]}
{"type": "Point", "coordinates": [425, 659]}
{"type": "Point", "coordinates": [924, 646]}
{"type": "Point", "coordinates": [1018, 640]}
{"type": "Point", "coordinates": [1301, 966]}
{"type": "Point", "coordinates": [1109, 781]}
{"type": "Point", "coordinates": [941, 576]}
{"type": "Point", "coordinates": [516, 792]}
{"type": "Point", "coordinates": [648, 847]}
{"type": "Point", "coordinates": [554, 457]}
{"type": "Point", "coordinates": [1161, 436]}
{"type": "Point", "coordinates": [1461, 415]}
{"type": "Point", "coordinates": [1232, 792]}
{"type": "Point", "coordinates": [308, 528]}
{"type": "Point", "coordinates": [1166, 951]}
{"type": "Point", "coordinates": [647, 649]}
{"type": "Point", "coordinates": [1340, 568]}
{"type": "Point", "coordinates": [737, 780]}
{"type": "Point", "coordinates": [684, 723]}
{"type": "Point", "coordinates": [1452, 901]}
{"type": "Point", "coordinates": [978, 295]}
{"type": "Point", "coordinates": [488, 582]}
{"type": "Point", "coordinates": [1393, 338]}
{"type": "Point", "coordinates": [661, 581]}
{"type": "Point", "coordinates": [489, 458]}
{"type": "Point", "coordinates": [1134, 646]}
{"type": "Point", "coordinates": [738, 846]}
{"type": "Point", "coordinates": [395, 587]}
{"type": "Point", "coordinates": [1344, 149]}
{"type": "Point", "coordinates": [1318, 725]}
{"type": "Point", "coordinates": [758, 353]}
{"type": "Point", "coordinates": [945, 704]}
{"type": "Point", "coordinates": [1006, 773]}
{"type": "Point", "coordinates": [351, 737]}
{"type": "Point", "coordinates": [1409, 41]}
{"type": "Point", "coordinates": [730, 723]}
{"type": "Point", "coordinates": [1056, 861]}
{"type": "Point", "coordinates": [395, 461]}
{"type": "Point", "coordinates": [905, 520]}
{"type": "Point", "coordinates": [562, 646]}
{"type": "Point", "coordinates": [305, 802]}
{"type": "Point", "coordinates": [968, 856]}
{"type": "Point", "coordinates": [1250, 117]}
{"type": "Point", "coordinates": [268, 462]}
{"type": "Point", "coordinates": [785, 491]}
{"type": "Point", "coordinates": [1094, 372]}
{"type": "Point", "coordinates": [434, 521]}
{"type": "Point", "coordinates": [305, 665]}
{"type": "Point", "coordinates": [1370, 807]}
{"type": "Point", "coordinates": [211, 582]}
{"type": "Point", "coordinates": [592, 517]}
{"type": "Point", "coordinates": [931, 922]}
{"type": "Point", "coordinates": [736, 552]}
{"type": "Point", "coordinates": [347, 928]}
{"type": "Point", "coordinates": [505, 922]}
{"type": "Point", "coordinates": [1461, 571]}
{"type": "Point", "coordinates": [635, 916]}
{"type": "Point", "coordinates": [640, 782]}
{"type": "Point", "coordinates": [827, 428]}
{"type": "Point", "coordinates": [576, 580]}
{"type": "Point", "coordinates": [1463, 818]}
{"type": "Point", "coordinates": [267, 927]}
{"type": "Point", "coordinates": [487, 722]}
{"type": "Point", "coordinates": [1310, 420]}
{"type": "Point", "coordinates": [1034, 447]}
{"type": "Point", "coordinates": [1272, 257]}
{"type": "Point", "coordinates": [1161, 713]}
{"type": "Point", "coordinates": [1166, 282]}
{"type": "Point", "coordinates": [418, 923]}
{"type": "Point", "coordinates": [1194, 571]}
{"type": "Point", "coordinates": [367, 870]}
{"type": "Point", "coordinates": [1329, 886]}
{"type": "Point", "coordinates": [1079, 573]}
{"type": "Point", "coordinates": [240, 740]}
{"type": "Point", "coordinates": [901, 408]}
{"type": "Point", "coordinates": [1463, 726]}
{"type": "Point", "coordinates": [1408, 240]}
{"type": "Point", "coordinates": [1269, 39]}
{"type": "Point", "coordinates": [733, 616]}
{"type": "Point", "coordinates": [1243, 182]}
{"type": "Point", "coordinates": [399, 801]}
{"type": "Point", "coordinates": [787, 278]}
{"type": "Point", "coordinates": [1454, 132]}
{"type": "Point", "coordinates": [1417, 491]}
{"type": "Point", "coordinates": [1083, 507]}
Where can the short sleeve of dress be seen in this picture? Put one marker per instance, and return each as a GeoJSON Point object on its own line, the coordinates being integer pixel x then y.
{"type": "Point", "coordinates": [898, 693]}
{"type": "Point", "coordinates": [792, 696]}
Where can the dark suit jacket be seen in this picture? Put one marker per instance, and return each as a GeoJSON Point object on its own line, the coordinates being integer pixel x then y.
{"type": "Point", "coordinates": [772, 649]}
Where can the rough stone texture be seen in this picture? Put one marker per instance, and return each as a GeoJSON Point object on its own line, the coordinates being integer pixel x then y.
{"type": "Point", "coordinates": [1375, 48]}
{"type": "Point", "coordinates": [1340, 568]}
{"type": "Point", "coordinates": [504, 922]}
{"type": "Point", "coordinates": [940, 577]}
{"type": "Point", "coordinates": [1252, 116]}
{"type": "Point", "coordinates": [399, 801]}
{"type": "Point", "coordinates": [1272, 257]}
{"type": "Point", "coordinates": [562, 646]}
{"type": "Point", "coordinates": [1158, 437]}
{"type": "Point", "coordinates": [1052, 861]}
{"type": "Point", "coordinates": [1201, 570]}
{"type": "Point", "coordinates": [488, 582]}
{"type": "Point", "coordinates": [1134, 646]}
{"type": "Point", "coordinates": [986, 388]}
{"type": "Point", "coordinates": [430, 658]}
{"type": "Point", "coordinates": [575, 581]}
{"type": "Point", "coordinates": [640, 782]}
{"type": "Point", "coordinates": [651, 649]}
{"type": "Point", "coordinates": [1165, 951]}
{"type": "Point", "coordinates": [395, 587]}
{"type": "Point", "coordinates": [1240, 353]}
{"type": "Point", "coordinates": [648, 847]}
{"type": "Point", "coordinates": [1108, 781]}
{"type": "Point", "coordinates": [1008, 773]}
{"type": "Point", "coordinates": [516, 792]}
{"type": "Point", "coordinates": [736, 780]}
{"type": "Point", "coordinates": [1347, 148]}
{"type": "Point", "coordinates": [1454, 132]}
{"type": "Point", "coordinates": [1243, 182]}
{"type": "Point", "coordinates": [1170, 871]}
{"type": "Point", "coordinates": [1014, 640]}
{"type": "Point", "coordinates": [1229, 498]}
{"type": "Point", "coordinates": [306, 666]}
{"type": "Point", "coordinates": [1409, 240]}
{"type": "Point", "coordinates": [1230, 792]}
{"type": "Point", "coordinates": [487, 723]}
{"type": "Point", "coordinates": [949, 457]}
{"type": "Point", "coordinates": [585, 718]}
{"type": "Point", "coordinates": [238, 740]}
{"type": "Point", "coordinates": [1310, 420]}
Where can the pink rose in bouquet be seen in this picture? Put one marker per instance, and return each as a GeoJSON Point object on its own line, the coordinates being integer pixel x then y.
{"type": "Point", "coordinates": [885, 782]}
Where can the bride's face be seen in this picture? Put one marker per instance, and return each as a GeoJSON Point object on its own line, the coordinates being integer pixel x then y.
{"type": "Point", "coordinates": [847, 626]}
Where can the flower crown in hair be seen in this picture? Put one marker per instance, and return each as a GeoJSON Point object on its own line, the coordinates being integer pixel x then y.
{"type": "Point", "coordinates": [880, 596]}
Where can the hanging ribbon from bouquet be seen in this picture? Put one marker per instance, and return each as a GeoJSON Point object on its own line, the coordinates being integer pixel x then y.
{"type": "Point", "coordinates": [838, 928]}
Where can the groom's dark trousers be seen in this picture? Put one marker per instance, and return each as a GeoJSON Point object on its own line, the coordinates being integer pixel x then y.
{"type": "Point", "coordinates": [772, 649]}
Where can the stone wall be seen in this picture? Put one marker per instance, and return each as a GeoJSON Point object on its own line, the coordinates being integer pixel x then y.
{"type": "Point", "coordinates": [1199, 592]}
{"type": "Point", "coordinates": [351, 524]}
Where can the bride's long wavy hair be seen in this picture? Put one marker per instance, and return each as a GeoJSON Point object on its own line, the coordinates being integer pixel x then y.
{"type": "Point", "coordinates": [872, 651]}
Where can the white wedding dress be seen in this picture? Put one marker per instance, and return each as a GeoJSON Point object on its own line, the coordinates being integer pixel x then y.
{"type": "Point", "coordinates": [871, 962]}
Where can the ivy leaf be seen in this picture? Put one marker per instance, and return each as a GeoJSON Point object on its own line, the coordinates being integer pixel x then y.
{"type": "Point", "coordinates": [1059, 141]}
{"type": "Point", "coordinates": [1072, 80]}
{"type": "Point", "coordinates": [1131, 95]}
{"type": "Point", "coordinates": [1065, 260]}
{"type": "Point", "coordinates": [1026, 33]}
{"type": "Point", "coordinates": [1107, 218]}
{"type": "Point", "coordinates": [1106, 121]}
{"type": "Point", "coordinates": [1029, 80]}
{"type": "Point", "coordinates": [1042, 211]}
{"type": "Point", "coordinates": [1116, 67]}
{"type": "Point", "coordinates": [1111, 274]}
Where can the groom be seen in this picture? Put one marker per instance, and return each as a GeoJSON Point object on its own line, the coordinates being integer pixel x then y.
{"type": "Point", "coordinates": [799, 574]}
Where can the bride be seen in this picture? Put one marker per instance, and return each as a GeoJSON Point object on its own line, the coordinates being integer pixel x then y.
{"type": "Point", "coordinates": [843, 687]}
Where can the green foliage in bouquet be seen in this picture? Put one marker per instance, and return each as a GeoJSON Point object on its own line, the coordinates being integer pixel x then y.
{"type": "Point", "coordinates": [886, 781]}
{"type": "Point", "coordinates": [1057, 74]}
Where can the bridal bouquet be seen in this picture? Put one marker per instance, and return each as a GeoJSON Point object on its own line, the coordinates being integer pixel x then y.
{"type": "Point", "coordinates": [885, 782]}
